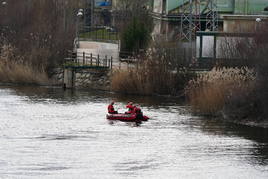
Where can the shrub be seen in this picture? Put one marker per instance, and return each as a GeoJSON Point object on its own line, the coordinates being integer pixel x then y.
{"type": "Point", "coordinates": [135, 36]}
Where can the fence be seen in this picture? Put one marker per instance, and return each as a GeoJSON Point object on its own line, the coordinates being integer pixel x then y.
{"type": "Point", "coordinates": [86, 60]}
{"type": "Point", "coordinates": [99, 33]}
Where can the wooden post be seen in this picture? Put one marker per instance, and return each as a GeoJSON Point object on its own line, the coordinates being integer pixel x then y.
{"type": "Point", "coordinates": [106, 58]}
{"type": "Point", "coordinates": [98, 60]}
{"type": "Point", "coordinates": [91, 59]}
{"type": "Point", "coordinates": [111, 62]}
{"type": "Point", "coordinates": [84, 58]}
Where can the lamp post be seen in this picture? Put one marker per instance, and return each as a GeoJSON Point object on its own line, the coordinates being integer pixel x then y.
{"type": "Point", "coordinates": [257, 26]}
{"type": "Point", "coordinates": [4, 11]}
{"type": "Point", "coordinates": [92, 13]}
{"type": "Point", "coordinates": [79, 15]}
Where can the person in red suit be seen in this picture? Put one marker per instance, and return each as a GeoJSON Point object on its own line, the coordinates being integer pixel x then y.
{"type": "Point", "coordinates": [111, 109]}
{"type": "Point", "coordinates": [130, 108]}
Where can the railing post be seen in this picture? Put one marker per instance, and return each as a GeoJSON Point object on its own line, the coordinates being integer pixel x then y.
{"type": "Point", "coordinates": [105, 61]}
{"type": "Point", "coordinates": [98, 60]}
{"type": "Point", "coordinates": [84, 58]}
{"type": "Point", "coordinates": [91, 59]}
{"type": "Point", "coordinates": [111, 62]}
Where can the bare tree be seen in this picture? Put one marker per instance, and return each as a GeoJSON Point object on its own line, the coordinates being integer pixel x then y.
{"type": "Point", "coordinates": [42, 31]}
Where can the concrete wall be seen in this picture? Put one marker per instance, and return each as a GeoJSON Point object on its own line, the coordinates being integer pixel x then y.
{"type": "Point", "coordinates": [236, 23]}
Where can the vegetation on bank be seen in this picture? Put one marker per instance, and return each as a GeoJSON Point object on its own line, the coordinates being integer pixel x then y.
{"type": "Point", "coordinates": [13, 69]}
{"type": "Point", "coordinates": [135, 24]}
{"type": "Point", "coordinates": [211, 91]}
{"type": "Point", "coordinates": [36, 41]}
{"type": "Point", "coordinates": [157, 72]}
{"type": "Point", "coordinates": [238, 94]}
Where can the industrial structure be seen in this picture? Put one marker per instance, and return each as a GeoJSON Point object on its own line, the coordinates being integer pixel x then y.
{"type": "Point", "coordinates": [191, 23]}
{"type": "Point", "coordinates": [180, 20]}
{"type": "Point", "coordinates": [195, 15]}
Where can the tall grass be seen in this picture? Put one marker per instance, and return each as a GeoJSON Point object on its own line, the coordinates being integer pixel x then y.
{"type": "Point", "coordinates": [210, 92]}
{"type": "Point", "coordinates": [149, 78]}
{"type": "Point", "coordinates": [157, 71]}
{"type": "Point", "coordinates": [14, 70]}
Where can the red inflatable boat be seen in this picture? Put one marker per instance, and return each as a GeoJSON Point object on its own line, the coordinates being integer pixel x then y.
{"type": "Point", "coordinates": [127, 117]}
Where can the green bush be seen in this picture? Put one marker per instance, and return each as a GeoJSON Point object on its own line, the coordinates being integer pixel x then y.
{"type": "Point", "coordinates": [136, 36]}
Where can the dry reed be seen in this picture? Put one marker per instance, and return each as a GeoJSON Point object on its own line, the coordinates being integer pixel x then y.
{"type": "Point", "coordinates": [210, 91]}
{"type": "Point", "coordinates": [150, 77]}
{"type": "Point", "coordinates": [14, 70]}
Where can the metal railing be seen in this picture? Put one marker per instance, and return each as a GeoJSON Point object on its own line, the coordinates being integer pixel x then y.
{"type": "Point", "coordinates": [82, 59]}
{"type": "Point", "coordinates": [99, 33]}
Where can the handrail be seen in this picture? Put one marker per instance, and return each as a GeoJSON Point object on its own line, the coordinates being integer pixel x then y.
{"type": "Point", "coordinates": [82, 59]}
{"type": "Point", "coordinates": [99, 33]}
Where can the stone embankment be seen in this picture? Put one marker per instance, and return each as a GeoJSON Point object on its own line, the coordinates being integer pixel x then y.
{"type": "Point", "coordinates": [83, 78]}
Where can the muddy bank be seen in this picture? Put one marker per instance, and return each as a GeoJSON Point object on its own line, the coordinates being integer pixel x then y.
{"type": "Point", "coordinates": [263, 123]}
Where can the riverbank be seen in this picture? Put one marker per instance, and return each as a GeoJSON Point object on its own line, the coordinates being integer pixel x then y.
{"type": "Point", "coordinates": [251, 123]}
{"type": "Point", "coordinates": [209, 92]}
{"type": "Point", "coordinates": [261, 123]}
{"type": "Point", "coordinates": [230, 94]}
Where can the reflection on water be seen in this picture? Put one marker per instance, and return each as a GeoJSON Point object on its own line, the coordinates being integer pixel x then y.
{"type": "Point", "coordinates": [51, 133]}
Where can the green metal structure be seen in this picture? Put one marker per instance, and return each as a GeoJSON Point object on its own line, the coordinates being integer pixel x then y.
{"type": "Point", "coordinates": [249, 7]}
{"type": "Point", "coordinates": [245, 7]}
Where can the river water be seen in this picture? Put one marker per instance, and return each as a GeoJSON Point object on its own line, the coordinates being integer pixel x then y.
{"type": "Point", "coordinates": [51, 133]}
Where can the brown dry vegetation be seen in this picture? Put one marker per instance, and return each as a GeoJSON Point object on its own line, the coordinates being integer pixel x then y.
{"type": "Point", "coordinates": [158, 72]}
{"type": "Point", "coordinates": [240, 94]}
{"type": "Point", "coordinates": [210, 92]}
{"type": "Point", "coordinates": [41, 32]}
{"type": "Point", "coordinates": [14, 70]}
